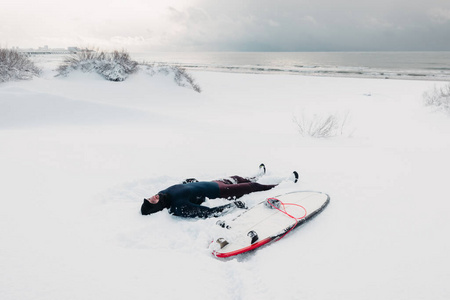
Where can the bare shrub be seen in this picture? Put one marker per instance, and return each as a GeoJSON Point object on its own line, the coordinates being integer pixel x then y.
{"type": "Point", "coordinates": [183, 78]}
{"type": "Point", "coordinates": [322, 125]}
{"type": "Point", "coordinates": [113, 66]}
{"type": "Point", "coordinates": [16, 66]}
{"type": "Point", "coordinates": [438, 97]}
{"type": "Point", "coordinates": [180, 75]}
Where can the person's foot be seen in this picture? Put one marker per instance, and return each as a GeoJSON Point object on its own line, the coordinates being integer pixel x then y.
{"type": "Point", "coordinates": [261, 172]}
{"type": "Point", "coordinates": [294, 177]}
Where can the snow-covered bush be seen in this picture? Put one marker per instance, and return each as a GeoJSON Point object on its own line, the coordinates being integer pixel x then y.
{"type": "Point", "coordinates": [438, 97]}
{"type": "Point", "coordinates": [180, 75]}
{"type": "Point", "coordinates": [322, 125]}
{"type": "Point", "coordinates": [114, 66]}
{"type": "Point", "coordinates": [16, 66]}
{"type": "Point", "coordinates": [118, 65]}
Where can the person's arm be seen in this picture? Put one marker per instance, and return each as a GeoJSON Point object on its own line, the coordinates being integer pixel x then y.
{"type": "Point", "coordinates": [198, 211]}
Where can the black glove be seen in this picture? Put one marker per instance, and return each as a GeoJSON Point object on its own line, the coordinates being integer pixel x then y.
{"type": "Point", "coordinates": [189, 180]}
{"type": "Point", "coordinates": [240, 204]}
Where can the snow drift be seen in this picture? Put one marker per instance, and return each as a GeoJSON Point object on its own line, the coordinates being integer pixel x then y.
{"type": "Point", "coordinates": [79, 154]}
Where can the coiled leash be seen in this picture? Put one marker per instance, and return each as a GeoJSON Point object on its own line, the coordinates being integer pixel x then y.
{"type": "Point", "coordinates": [280, 206]}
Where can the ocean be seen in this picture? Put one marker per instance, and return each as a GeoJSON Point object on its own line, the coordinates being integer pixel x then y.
{"type": "Point", "coordinates": [389, 65]}
{"type": "Point", "coordinates": [398, 65]}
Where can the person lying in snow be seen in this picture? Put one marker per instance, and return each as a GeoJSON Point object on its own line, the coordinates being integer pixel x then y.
{"type": "Point", "coordinates": [184, 200]}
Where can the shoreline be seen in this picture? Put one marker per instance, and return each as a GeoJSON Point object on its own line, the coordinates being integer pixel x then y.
{"type": "Point", "coordinates": [314, 70]}
{"type": "Point", "coordinates": [326, 74]}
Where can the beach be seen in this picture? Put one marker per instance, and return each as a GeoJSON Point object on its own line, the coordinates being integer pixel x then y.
{"type": "Point", "coordinates": [78, 154]}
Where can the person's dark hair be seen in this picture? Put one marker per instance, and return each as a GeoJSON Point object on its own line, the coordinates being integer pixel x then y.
{"type": "Point", "coordinates": [164, 199]}
{"type": "Point", "coordinates": [148, 208]}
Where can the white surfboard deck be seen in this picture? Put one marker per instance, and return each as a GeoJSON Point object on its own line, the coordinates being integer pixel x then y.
{"type": "Point", "coordinates": [268, 223]}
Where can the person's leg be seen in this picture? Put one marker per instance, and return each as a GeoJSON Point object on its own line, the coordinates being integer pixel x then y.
{"type": "Point", "coordinates": [234, 191]}
{"type": "Point", "coordinates": [240, 179]}
{"type": "Point", "coordinates": [224, 181]}
{"type": "Point", "coordinates": [234, 180]}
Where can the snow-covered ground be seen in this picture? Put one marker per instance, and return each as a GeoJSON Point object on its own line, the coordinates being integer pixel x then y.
{"type": "Point", "coordinates": [78, 155]}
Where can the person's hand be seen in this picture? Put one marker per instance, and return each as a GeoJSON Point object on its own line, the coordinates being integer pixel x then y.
{"type": "Point", "coordinates": [240, 204]}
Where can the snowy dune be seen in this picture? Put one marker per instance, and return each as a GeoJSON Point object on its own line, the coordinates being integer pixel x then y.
{"type": "Point", "coordinates": [78, 154]}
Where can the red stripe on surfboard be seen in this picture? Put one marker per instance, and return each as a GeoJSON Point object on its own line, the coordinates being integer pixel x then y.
{"type": "Point", "coordinates": [240, 251]}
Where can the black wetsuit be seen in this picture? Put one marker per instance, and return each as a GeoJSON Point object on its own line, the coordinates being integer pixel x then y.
{"type": "Point", "coordinates": [184, 200]}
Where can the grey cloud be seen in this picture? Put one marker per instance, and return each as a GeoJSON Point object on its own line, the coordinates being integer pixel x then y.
{"type": "Point", "coordinates": [314, 25]}
{"type": "Point", "coordinates": [234, 25]}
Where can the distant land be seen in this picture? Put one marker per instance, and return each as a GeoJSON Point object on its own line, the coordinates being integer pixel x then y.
{"type": "Point", "coordinates": [47, 50]}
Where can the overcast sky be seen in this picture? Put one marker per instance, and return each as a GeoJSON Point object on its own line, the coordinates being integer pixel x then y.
{"type": "Point", "coordinates": [228, 25]}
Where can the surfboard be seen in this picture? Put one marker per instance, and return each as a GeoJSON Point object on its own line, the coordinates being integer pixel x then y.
{"type": "Point", "coordinates": [268, 221]}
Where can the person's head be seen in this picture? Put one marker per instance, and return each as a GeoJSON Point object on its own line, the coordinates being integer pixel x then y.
{"type": "Point", "coordinates": [154, 204]}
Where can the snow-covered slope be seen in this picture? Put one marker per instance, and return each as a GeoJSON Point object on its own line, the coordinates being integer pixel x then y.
{"type": "Point", "coordinates": [78, 154]}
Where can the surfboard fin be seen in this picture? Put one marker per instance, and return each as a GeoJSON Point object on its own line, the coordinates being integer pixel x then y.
{"type": "Point", "coordinates": [222, 242]}
{"type": "Point", "coordinates": [253, 235]}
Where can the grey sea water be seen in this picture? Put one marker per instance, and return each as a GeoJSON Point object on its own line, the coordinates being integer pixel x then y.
{"type": "Point", "coordinates": [399, 65]}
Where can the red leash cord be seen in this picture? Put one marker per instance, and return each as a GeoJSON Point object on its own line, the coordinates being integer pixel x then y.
{"type": "Point", "coordinates": [283, 210]}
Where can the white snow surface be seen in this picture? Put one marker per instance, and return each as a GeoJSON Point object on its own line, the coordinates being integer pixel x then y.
{"type": "Point", "coordinates": [79, 154]}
